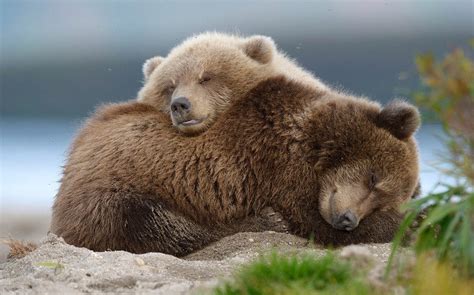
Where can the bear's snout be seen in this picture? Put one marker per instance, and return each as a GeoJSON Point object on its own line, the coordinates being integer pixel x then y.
{"type": "Point", "coordinates": [180, 107]}
{"type": "Point", "coordinates": [346, 221]}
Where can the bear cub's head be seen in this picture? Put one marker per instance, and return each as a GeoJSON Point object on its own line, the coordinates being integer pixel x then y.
{"type": "Point", "coordinates": [200, 77]}
{"type": "Point", "coordinates": [368, 157]}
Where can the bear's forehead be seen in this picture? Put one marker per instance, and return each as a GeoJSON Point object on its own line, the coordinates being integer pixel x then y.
{"type": "Point", "coordinates": [380, 157]}
{"type": "Point", "coordinates": [195, 62]}
{"type": "Point", "coordinates": [365, 141]}
{"type": "Point", "coordinates": [210, 41]}
{"type": "Point", "coordinates": [205, 48]}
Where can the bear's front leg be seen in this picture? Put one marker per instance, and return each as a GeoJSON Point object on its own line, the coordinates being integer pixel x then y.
{"type": "Point", "coordinates": [266, 220]}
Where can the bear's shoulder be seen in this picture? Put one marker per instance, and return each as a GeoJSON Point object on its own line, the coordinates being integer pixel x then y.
{"type": "Point", "coordinates": [112, 111]}
{"type": "Point", "coordinates": [282, 93]}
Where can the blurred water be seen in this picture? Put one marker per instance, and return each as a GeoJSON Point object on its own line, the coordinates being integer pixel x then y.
{"type": "Point", "coordinates": [58, 59]}
{"type": "Point", "coordinates": [31, 155]}
{"type": "Point", "coordinates": [33, 151]}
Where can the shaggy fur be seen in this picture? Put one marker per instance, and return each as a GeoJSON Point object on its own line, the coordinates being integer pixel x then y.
{"type": "Point", "coordinates": [213, 69]}
{"type": "Point", "coordinates": [132, 182]}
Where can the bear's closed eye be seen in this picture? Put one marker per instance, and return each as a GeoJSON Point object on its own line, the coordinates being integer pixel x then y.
{"type": "Point", "coordinates": [204, 79]}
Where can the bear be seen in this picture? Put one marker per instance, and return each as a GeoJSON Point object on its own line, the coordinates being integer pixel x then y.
{"type": "Point", "coordinates": [336, 167]}
{"type": "Point", "coordinates": [199, 78]}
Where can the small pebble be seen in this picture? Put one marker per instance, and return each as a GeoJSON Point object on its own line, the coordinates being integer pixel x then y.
{"type": "Point", "coordinates": [139, 261]}
{"type": "Point", "coordinates": [251, 240]}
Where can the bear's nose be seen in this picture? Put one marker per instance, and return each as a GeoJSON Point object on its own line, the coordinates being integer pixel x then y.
{"type": "Point", "coordinates": [180, 105]}
{"type": "Point", "coordinates": [346, 221]}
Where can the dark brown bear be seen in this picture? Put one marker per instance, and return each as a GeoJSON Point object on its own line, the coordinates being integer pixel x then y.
{"type": "Point", "coordinates": [336, 167]}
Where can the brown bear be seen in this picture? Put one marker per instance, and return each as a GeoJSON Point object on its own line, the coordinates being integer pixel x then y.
{"type": "Point", "coordinates": [199, 78]}
{"type": "Point", "coordinates": [336, 167]}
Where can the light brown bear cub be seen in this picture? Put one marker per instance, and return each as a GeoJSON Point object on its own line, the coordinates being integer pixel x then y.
{"type": "Point", "coordinates": [200, 77]}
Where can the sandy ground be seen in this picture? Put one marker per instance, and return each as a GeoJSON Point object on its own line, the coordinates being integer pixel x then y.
{"type": "Point", "coordinates": [58, 268]}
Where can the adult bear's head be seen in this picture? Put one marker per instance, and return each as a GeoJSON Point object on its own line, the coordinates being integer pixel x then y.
{"type": "Point", "coordinates": [367, 158]}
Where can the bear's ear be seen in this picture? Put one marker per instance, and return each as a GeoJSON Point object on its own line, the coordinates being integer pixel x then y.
{"type": "Point", "coordinates": [260, 48]}
{"type": "Point", "coordinates": [150, 65]}
{"type": "Point", "coordinates": [400, 118]}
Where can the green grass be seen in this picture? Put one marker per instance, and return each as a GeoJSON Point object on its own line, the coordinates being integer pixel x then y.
{"type": "Point", "coordinates": [279, 274]}
{"type": "Point", "coordinates": [447, 232]}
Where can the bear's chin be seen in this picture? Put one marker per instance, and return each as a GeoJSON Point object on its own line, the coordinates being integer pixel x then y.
{"type": "Point", "coordinates": [377, 227]}
{"type": "Point", "coordinates": [192, 127]}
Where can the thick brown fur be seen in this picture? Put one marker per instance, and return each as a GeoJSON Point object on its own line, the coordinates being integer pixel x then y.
{"type": "Point", "coordinates": [133, 183]}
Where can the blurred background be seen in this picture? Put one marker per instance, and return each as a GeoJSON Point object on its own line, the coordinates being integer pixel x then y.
{"type": "Point", "coordinates": [60, 59]}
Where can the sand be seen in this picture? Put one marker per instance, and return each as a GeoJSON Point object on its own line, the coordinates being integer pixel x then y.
{"type": "Point", "coordinates": [58, 268]}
